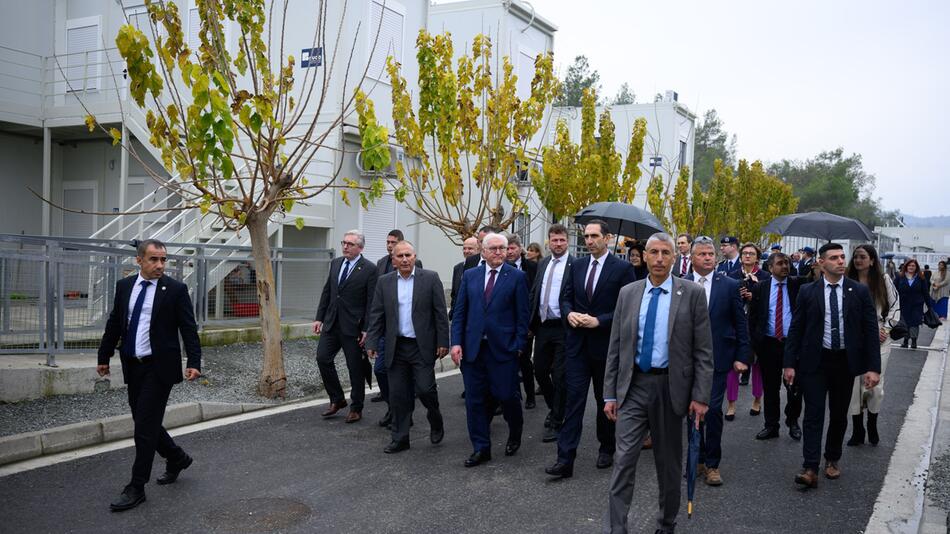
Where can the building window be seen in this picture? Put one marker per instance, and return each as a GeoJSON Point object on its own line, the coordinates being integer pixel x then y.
{"type": "Point", "coordinates": [389, 21]}
{"type": "Point", "coordinates": [682, 156]}
{"type": "Point", "coordinates": [83, 49]}
{"type": "Point", "coordinates": [522, 228]}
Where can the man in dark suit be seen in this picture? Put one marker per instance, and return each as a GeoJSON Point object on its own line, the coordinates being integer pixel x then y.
{"type": "Point", "coordinates": [771, 312]}
{"type": "Point", "coordinates": [730, 264]}
{"type": "Point", "coordinates": [517, 258]}
{"type": "Point", "coordinates": [807, 262]}
{"type": "Point", "coordinates": [794, 262]}
{"type": "Point", "coordinates": [833, 339]}
{"type": "Point", "coordinates": [654, 378]}
{"type": "Point", "coordinates": [587, 306]}
{"type": "Point", "coordinates": [470, 248]}
{"type": "Point", "coordinates": [150, 310]}
{"type": "Point", "coordinates": [554, 275]}
{"type": "Point", "coordinates": [341, 323]}
{"type": "Point", "coordinates": [682, 266]}
{"type": "Point", "coordinates": [385, 265]}
{"type": "Point", "coordinates": [489, 328]}
{"type": "Point", "coordinates": [409, 310]}
{"type": "Point", "coordinates": [730, 334]}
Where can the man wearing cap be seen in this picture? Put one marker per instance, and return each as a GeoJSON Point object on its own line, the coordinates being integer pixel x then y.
{"type": "Point", "coordinates": [730, 264]}
{"type": "Point", "coordinates": [807, 261]}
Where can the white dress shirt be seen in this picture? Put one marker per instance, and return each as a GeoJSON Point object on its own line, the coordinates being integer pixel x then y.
{"type": "Point", "coordinates": [826, 340]}
{"type": "Point", "coordinates": [600, 269]}
{"type": "Point", "coordinates": [349, 270]}
{"type": "Point", "coordinates": [557, 277]}
{"type": "Point", "coordinates": [143, 347]}
{"type": "Point", "coordinates": [707, 285]}
{"type": "Point", "coordinates": [404, 287]}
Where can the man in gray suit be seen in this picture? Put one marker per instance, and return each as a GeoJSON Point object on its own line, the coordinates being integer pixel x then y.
{"type": "Point", "coordinates": [653, 379]}
{"type": "Point", "coordinates": [409, 306]}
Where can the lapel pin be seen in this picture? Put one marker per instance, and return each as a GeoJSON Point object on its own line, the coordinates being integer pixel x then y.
{"type": "Point", "coordinates": [163, 288]}
{"type": "Point", "coordinates": [679, 292]}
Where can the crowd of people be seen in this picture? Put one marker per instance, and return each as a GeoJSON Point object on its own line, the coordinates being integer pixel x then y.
{"type": "Point", "coordinates": [666, 333]}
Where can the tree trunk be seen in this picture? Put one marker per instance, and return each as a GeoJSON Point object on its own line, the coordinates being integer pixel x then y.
{"type": "Point", "coordinates": [273, 382]}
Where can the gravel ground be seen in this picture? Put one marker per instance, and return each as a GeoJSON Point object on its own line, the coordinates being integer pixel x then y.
{"type": "Point", "coordinates": [230, 374]}
{"type": "Point", "coordinates": [938, 481]}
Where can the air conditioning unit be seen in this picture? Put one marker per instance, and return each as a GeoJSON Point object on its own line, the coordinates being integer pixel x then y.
{"type": "Point", "coordinates": [524, 174]}
{"type": "Point", "coordinates": [396, 154]}
{"type": "Point", "coordinates": [671, 96]}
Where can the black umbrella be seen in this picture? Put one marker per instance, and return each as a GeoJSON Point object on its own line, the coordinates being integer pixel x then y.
{"type": "Point", "coordinates": [623, 219]}
{"type": "Point", "coordinates": [820, 225]}
{"type": "Point", "coordinates": [692, 462]}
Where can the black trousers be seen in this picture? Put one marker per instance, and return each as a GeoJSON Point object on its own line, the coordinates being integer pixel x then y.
{"type": "Point", "coordinates": [147, 397]}
{"type": "Point", "coordinates": [327, 348]}
{"type": "Point", "coordinates": [582, 372]}
{"type": "Point", "coordinates": [549, 367]}
{"type": "Point", "coordinates": [526, 368]}
{"type": "Point", "coordinates": [410, 367]}
{"type": "Point", "coordinates": [832, 381]}
{"type": "Point", "coordinates": [770, 353]}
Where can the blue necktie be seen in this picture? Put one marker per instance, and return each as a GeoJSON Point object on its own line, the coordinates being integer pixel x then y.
{"type": "Point", "coordinates": [128, 344]}
{"type": "Point", "coordinates": [346, 268]}
{"type": "Point", "coordinates": [835, 324]}
{"type": "Point", "coordinates": [645, 361]}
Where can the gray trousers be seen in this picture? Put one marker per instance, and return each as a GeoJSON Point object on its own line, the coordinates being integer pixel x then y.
{"type": "Point", "coordinates": [410, 367]}
{"type": "Point", "coordinates": [647, 407]}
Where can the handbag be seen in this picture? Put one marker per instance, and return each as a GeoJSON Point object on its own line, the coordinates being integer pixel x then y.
{"type": "Point", "coordinates": [931, 319]}
{"type": "Point", "coordinates": [899, 330]}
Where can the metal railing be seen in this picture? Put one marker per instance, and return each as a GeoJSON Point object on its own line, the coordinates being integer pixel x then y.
{"type": "Point", "coordinates": [56, 293]}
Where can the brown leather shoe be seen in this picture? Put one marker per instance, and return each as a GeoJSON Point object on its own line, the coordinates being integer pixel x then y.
{"type": "Point", "coordinates": [712, 477]}
{"type": "Point", "coordinates": [700, 470]}
{"type": "Point", "coordinates": [353, 417]}
{"type": "Point", "coordinates": [648, 443]}
{"type": "Point", "coordinates": [334, 408]}
{"type": "Point", "coordinates": [831, 470]}
{"type": "Point", "coordinates": [807, 478]}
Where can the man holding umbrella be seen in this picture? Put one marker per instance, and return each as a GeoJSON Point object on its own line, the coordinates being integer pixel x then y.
{"type": "Point", "coordinates": [653, 379]}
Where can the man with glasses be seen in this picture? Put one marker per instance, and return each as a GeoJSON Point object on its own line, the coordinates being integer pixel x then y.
{"type": "Point", "coordinates": [489, 330]}
{"type": "Point", "coordinates": [341, 322]}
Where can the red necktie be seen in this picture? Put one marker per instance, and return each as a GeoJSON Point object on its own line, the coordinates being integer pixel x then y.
{"type": "Point", "coordinates": [590, 281]}
{"type": "Point", "coordinates": [779, 313]}
{"type": "Point", "coordinates": [491, 285]}
{"type": "Point", "coordinates": [685, 266]}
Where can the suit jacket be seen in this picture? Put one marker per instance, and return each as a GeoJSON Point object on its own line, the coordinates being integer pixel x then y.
{"type": "Point", "coordinates": [804, 343]}
{"type": "Point", "coordinates": [384, 265]}
{"type": "Point", "coordinates": [759, 307]}
{"type": "Point", "coordinates": [735, 271]}
{"type": "Point", "coordinates": [530, 268]}
{"type": "Point", "coordinates": [429, 319]}
{"type": "Point", "coordinates": [536, 295]}
{"type": "Point", "coordinates": [913, 298]}
{"type": "Point", "coordinates": [615, 273]}
{"type": "Point", "coordinates": [690, 350]}
{"type": "Point", "coordinates": [347, 307]}
{"type": "Point", "coordinates": [502, 321]}
{"type": "Point", "coordinates": [728, 322]}
{"type": "Point", "coordinates": [678, 266]}
{"type": "Point", "coordinates": [456, 280]}
{"type": "Point", "coordinates": [172, 313]}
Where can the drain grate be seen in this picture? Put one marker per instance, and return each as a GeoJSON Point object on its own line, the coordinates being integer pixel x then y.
{"type": "Point", "coordinates": [257, 515]}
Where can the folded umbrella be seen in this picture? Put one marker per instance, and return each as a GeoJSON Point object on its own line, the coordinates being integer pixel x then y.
{"type": "Point", "coordinates": [692, 461]}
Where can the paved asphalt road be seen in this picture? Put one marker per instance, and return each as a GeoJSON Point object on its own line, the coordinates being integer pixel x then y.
{"type": "Point", "coordinates": [294, 472]}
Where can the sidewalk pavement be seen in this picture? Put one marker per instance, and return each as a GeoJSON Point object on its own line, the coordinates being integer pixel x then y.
{"type": "Point", "coordinates": [294, 472]}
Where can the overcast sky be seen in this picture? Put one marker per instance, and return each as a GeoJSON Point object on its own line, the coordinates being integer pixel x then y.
{"type": "Point", "coordinates": [790, 79]}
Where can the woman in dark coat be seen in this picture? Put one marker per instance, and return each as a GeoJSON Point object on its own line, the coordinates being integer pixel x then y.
{"type": "Point", "coordinates": [914, 293]}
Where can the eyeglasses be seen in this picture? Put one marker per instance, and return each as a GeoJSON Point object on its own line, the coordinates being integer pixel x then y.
{"type": "Point", "coordinates": [749, 253]}
{"type": "Point", "coordinates": [349, 244]}
{"type": "Point", "coordinates": [496, 250]}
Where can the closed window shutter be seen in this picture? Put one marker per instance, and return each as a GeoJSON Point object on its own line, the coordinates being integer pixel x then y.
{"type": "Point", "coordinates": [377, 222]}
{"type": "Point", "coordinates": [194, 27]}
{"type": "Point", "coordinates": [82, 61]}
{"type": "Point", "coordinates": [525, 74]}
{"type": "Point", "coordinates": [390, 39]}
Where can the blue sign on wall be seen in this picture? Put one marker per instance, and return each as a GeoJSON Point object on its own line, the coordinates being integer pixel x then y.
{"type": "Point", "coordinates": [311, 57]}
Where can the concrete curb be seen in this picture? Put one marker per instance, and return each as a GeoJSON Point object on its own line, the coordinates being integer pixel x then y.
{"type": "Point", "coordinates": [69, 437]}
{"type": "Point", "coordinates": [899, 504]}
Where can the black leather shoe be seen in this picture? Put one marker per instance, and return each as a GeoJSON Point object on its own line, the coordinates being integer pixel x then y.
{"type": "Point", "coordinates": [499, 409]}
{"type": "Point", "coordinates": [462, 395]}
{"type": "Point", "coordinates": [436, 435]}
{"type": "Point", "coordinates": [512, 447]}
{"type": "Point", "coordinates": [560, 470]}
{"type": "Point", "coordinates": [767, 433]}
{"type": "Point", "coordinates": [377, 398]}
{"type": "Point", "coordinates": [477, 458]}
{"type": "Point", "coordinates": [550, 435]}
{"type": "Point", "coordinates": [396, 446]}
{"type": "Point", "coordinates": [173, 470]}
{"type": "Point", "coordinates": [795, 432]}
{"type": "Point", "coordinates": [604, 460]}
{"type": "Point", "coordinates": [530, 404]}
{"type": "Point", "coordinates": [128, 499]}
{"type": "Point", "coordinates": [386, 420]}
{"type": "Point", "coordinates": [729, 416]}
